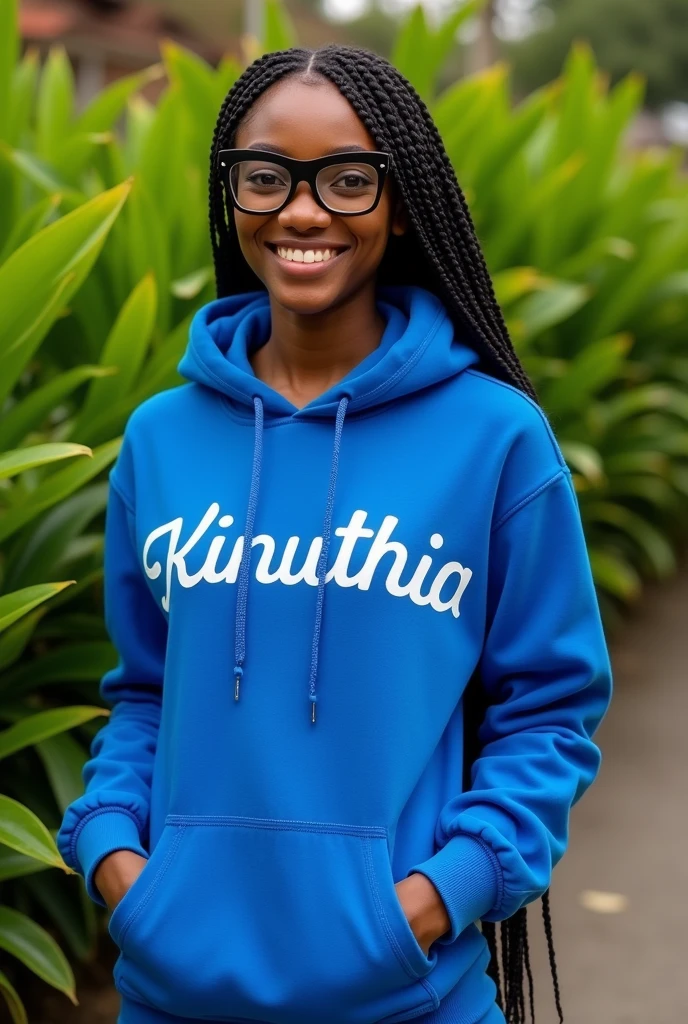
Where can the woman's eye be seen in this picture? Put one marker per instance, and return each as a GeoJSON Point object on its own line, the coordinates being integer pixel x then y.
{"type": "Point", "coordinates": [265, 179]}
{"type": "Point", "coordinates": [351, 181]}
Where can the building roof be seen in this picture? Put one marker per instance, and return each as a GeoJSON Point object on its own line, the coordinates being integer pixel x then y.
{"type": "Point", "coordinates": [127, 32]}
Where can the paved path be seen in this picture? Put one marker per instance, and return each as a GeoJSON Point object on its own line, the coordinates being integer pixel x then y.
{"type": "Point", "coordinates": [629, 835]}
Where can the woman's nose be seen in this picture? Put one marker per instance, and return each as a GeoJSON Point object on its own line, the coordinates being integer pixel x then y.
{"type": "Point", "coordinates": [303, 211]}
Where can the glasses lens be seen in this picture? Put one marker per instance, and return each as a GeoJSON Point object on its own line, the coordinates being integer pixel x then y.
{"type": "Point", "coordinates": [259, 185]}
{"type": "Point", "coordinates": [348, 187]}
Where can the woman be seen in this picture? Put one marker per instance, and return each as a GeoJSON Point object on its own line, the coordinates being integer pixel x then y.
{"type": "Point", "coordinates": [355, 412]}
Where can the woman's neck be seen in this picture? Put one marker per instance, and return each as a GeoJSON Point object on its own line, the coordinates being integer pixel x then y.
{"type": "Point", "coordinates": [307, 353]}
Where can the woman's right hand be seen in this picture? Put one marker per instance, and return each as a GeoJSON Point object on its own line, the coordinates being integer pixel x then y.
{"type": "Point", "coordinates": [116, 873]}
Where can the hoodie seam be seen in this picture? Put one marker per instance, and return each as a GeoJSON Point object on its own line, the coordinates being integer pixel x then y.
{"type": "Point", "coordinates": [373, 393]}
{"type": "Point", "coordinates": [289, 421]}
{"type": "Point", "coordinates": [529, 400]}
{"type": "Point", "coordinates": [89, 816]}
{"type": "Point", "coordinates": [118, 487]}
{"type": "Point", "coordinates": [530, 497]}
{"type": "Point", "coordinates": [408, 365]}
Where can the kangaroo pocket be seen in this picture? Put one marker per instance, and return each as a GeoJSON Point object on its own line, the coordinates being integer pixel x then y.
{"type": "Point", "coordinates": [292, 922]}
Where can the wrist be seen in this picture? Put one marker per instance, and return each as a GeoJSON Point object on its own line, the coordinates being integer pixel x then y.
{"type": "Point", "coordinates": [115, 873]}
{"type": "Point", "coordinates": [427, 912]}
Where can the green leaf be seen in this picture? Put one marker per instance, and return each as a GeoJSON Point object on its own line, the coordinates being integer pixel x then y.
{"type": "Point", "coordinates": [63, 758]}
{"type": "Point", "coordinates": [642, 399]}
{"type": "Point", "coordinates": [21, 830]}
{"type": "Point", "coordinates": [614, 574]}
{"type": "Point", "coordinates": [411, 50]}
{"type": "Point", "coordinates": [12, 1000]}
{"type": "Point", "coordinates": [419, 52]}
{"type": "Point", "coordinates": [125, 349]}
{"type": "Point", "coordinates": [147, 243]}
{"type": "Point", "coordinates": [192, 285]}
{"type": "Point", "coordinates": [18, 461]}
{"type": "Point", "coordinates": [9, 54]}
{"type": "Point", "coordinates": [70, 663]}
{"type": "Point", "coordinates": [18, 865]}
{"type": "Point", "coordinates": [55, 104]}
{"type": "Point", "coordinates": [37, 950]}
{"type": "Point", "coordinates": [584, 459]}
{"type": "Point", "coordinates": [40, 173]}
{"type": "Point", "coordinates": [655, 549]}
{"type": "Point", "coordinates": [42, 551]}
{"type": "Point", "coordinates": [107, 105]}
{"type": "Point", "coordinates": [31, 221]}
{"type": "Point", "coordinates": [278, 31]}
{"type": "Point", "coordinates": [13, 640]}
{"type": "Point", "coordinates": [195, 80]}
{"type": "Point", "coordinates": [29, 413]}
{"type": "Point", "coordinates": [63, 906]}
{"type": "Point", "coordinates": [40, 277]}
{"type": "Point", "coordinates": [59, 485]}
{"type": "Point", "coordinates": [550, 306]}
{"type": "Point", "coordinates": [23, 88]}
{"type": "Point", "coordinates": [14, 606]}
{"type": "Point", "coordinates": [44, 724]}
{"type": "Point", "coordinates": [597, 365]}
{"type": "Point", "coordinates": [516, 282]}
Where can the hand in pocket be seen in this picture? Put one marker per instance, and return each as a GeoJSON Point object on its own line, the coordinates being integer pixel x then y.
{"type": "Point", "coordinates": [424, 909]}
{"type": "Point", "coordinates": [116, 874]}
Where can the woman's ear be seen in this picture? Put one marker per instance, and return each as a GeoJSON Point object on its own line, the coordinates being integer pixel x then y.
{"type": "Point", "coordinates": [399, 224]}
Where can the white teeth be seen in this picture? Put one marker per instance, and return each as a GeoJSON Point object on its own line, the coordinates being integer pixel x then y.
{"type": "Point", "coordinates": [306, 255]}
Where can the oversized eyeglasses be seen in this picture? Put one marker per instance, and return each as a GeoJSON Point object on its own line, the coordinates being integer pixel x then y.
{"type": "Point", "coordinates": [260, 181]}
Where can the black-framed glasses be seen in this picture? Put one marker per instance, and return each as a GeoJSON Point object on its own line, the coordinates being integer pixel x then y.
{"type": "Point", "coordinates": [260, 181]}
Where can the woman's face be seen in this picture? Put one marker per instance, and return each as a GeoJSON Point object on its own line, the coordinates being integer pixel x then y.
{"type": "Point", "coordinates": [304, 122]}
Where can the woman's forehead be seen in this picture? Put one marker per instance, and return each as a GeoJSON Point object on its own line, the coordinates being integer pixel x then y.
{"type": "Point", "coordinates": [300, 118]}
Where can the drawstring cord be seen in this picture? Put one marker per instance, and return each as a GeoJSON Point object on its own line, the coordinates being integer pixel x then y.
{"type": "Point", "coordinates": [322, 561]}
{"type": "Point", "coordinates": [240, 624]}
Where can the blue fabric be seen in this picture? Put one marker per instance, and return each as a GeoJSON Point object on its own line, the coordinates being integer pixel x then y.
{"type": "Point", "coordinates": [371, 550]}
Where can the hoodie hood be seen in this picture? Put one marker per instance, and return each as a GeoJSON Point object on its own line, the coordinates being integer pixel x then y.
{"type": "Point", "coordinates": [418, 348]}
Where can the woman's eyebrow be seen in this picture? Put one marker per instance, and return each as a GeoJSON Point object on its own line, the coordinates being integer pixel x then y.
{"type": "Point", "coordinates": [329, 152]}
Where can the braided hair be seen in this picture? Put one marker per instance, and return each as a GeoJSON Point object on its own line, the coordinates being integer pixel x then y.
{"type": "Point", "coordinates": [440, 251]}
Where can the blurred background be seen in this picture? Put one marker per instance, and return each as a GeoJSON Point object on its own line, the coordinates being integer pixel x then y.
{"type": "Point", "coordinates": [567, 124]}
{"type": "Point", "coordinates": [107, 38]}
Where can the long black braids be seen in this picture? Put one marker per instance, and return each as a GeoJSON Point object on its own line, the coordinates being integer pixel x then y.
{"type": "Point", "coordinates": [440, 252]}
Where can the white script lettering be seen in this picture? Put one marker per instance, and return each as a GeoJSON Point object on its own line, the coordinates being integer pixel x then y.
{"type": "Point", "coordinates": [452, 577]}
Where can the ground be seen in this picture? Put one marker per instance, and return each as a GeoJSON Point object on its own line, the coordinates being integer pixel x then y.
{"type": "Point", "coordinates": [629, 835]}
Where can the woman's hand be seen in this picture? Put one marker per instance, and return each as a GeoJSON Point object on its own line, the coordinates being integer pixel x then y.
{"type": "Point", "coordinates": [116, 873]}
{"type": "Point", "coordinates": [424, 908]}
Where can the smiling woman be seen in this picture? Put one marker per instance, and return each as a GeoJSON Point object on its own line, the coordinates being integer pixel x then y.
{"type": "Point", "coordinates": [352, 387]}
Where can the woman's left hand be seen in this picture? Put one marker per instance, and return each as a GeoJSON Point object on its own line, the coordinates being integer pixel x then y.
{"type": "Point", "coordinates": [424, 908]}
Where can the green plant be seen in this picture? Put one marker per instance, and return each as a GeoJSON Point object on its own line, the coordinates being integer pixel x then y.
{"type": "Point", "coordinates": [28, 847]}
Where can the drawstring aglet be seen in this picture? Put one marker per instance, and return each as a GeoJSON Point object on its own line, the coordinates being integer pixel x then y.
{"type": "Point", "coordinates": [313, 700]}
{"type": "Point", "coordinates": [238, 673]}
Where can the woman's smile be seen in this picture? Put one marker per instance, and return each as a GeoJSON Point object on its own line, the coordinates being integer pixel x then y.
{"type": "Point", "coordinates": [303, 259]}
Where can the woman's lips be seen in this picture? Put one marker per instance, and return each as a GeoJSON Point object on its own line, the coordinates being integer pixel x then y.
{"type": "Point", "coordinates": [305, 269]}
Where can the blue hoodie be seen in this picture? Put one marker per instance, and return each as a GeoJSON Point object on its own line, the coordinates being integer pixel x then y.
{"type": "Point", "coordinates": [298, 598]}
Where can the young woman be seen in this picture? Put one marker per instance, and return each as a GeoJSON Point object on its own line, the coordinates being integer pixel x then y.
{"type": "Point", "coordinates": [356, 506]}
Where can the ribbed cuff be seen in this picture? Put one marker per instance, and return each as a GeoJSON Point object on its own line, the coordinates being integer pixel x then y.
{"type": "Point", "coordinates": [103, 833]}
{"type": "Point", "coordinates": [466, 874]}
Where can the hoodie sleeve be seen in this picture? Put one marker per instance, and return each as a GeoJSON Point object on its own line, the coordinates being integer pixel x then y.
{"type": "Point", "coordinates": [112, 814]}
{"type": "Point", "coordinates": [546, 670]}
